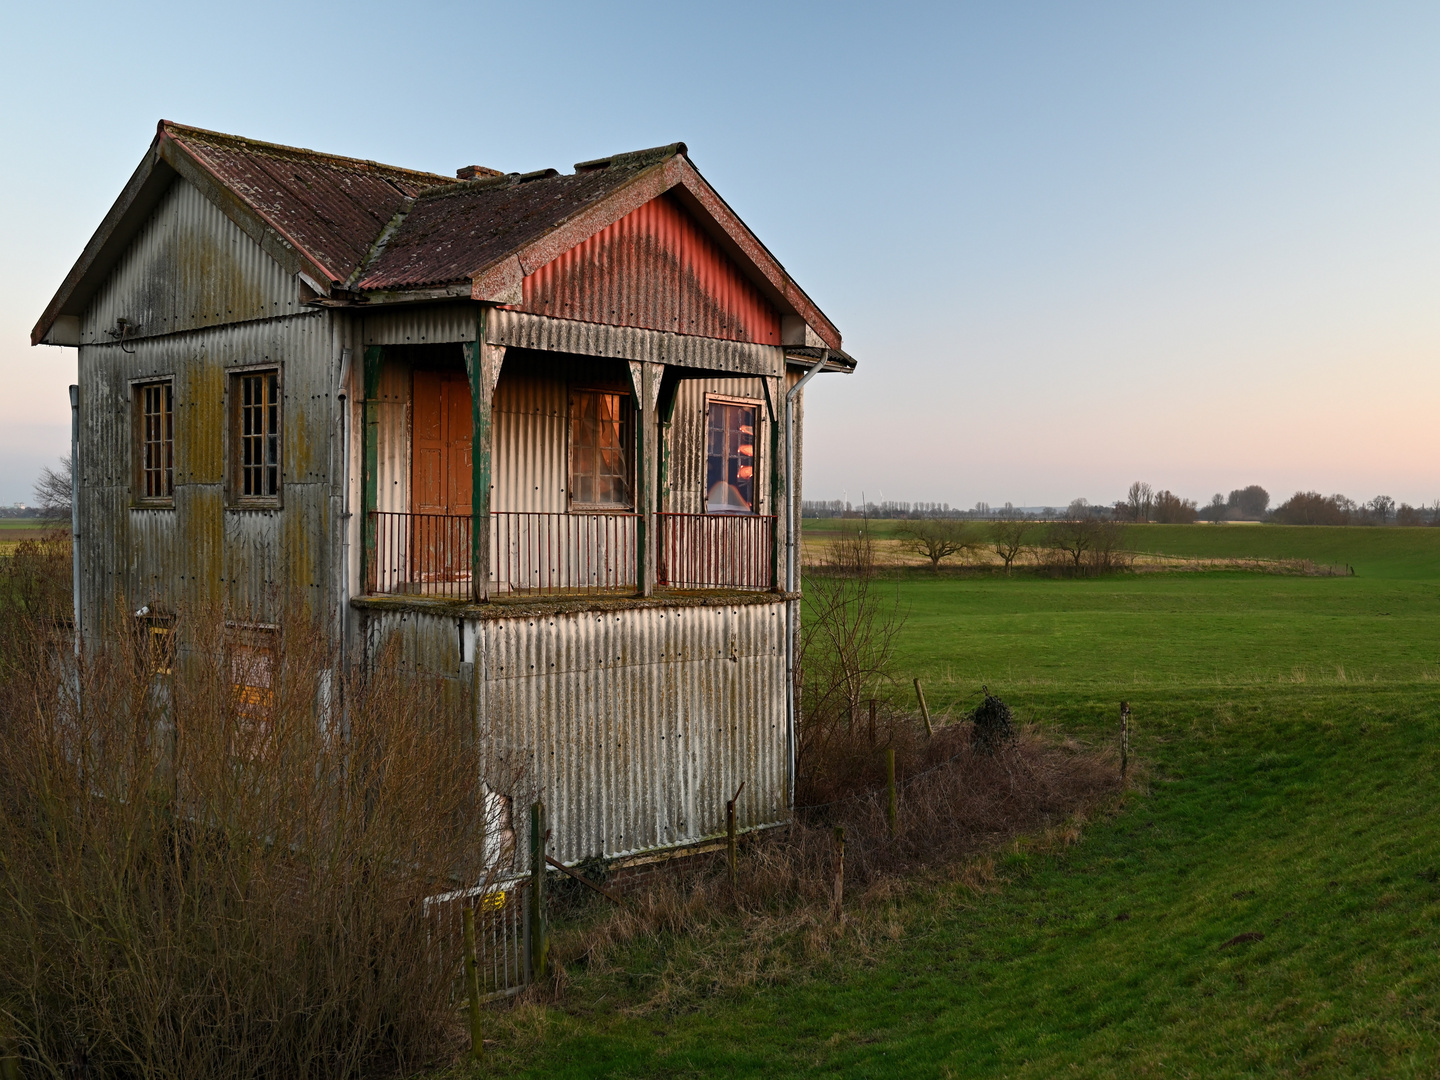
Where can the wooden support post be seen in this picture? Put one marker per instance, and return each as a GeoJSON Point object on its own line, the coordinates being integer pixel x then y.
{"type": "Point", "coordinates": [539, 951]}
{"type": "Point", "coordinates": [1124, 739]}
{"type": "Point", "coordinates": [472, 986]}
{"type": "Point", "coordinates": [775, 409]}
{"type": "Point", "coordinates": [482, 364]}
{"type": "Point", "coordinates": [839, 872]}
{"type": "Point", "coordinates": [892, 810]}
{"type": "Point", "coordinates": [872, 723]}
{"type": "Point", "coordinates": [646, 378]}
{"type": "Point", "coordinates": [370, 466]}
{"type": "Point", "coordinates": [924, 709]}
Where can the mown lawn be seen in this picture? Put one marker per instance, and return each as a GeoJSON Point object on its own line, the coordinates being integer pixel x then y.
{"type": "Point", "coordinates": [1291, 733]}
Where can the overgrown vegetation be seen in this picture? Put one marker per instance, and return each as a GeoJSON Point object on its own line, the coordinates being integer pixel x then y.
{"type": "Point", "coordinates": [216, 864]}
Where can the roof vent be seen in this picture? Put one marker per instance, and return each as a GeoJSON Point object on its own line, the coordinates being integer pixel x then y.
{"type": "Point", "coordinates": [476, 172]}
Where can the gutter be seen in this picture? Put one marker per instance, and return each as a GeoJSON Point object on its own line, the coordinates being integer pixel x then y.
{"type": "Point", "coordinates": [792, 552]}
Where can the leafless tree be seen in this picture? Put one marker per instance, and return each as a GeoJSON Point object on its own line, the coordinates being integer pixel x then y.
{"type": "Point", "coordinates": [1140, 501]}
{"type": "Point", "coordinates": [1008, 539]}
{"type": "Point", "coordinates": [939, 538]}
{"type": "Point", "coordinates": [1074, 538]}
{"type": "Point", "coordinates": [52, 491]}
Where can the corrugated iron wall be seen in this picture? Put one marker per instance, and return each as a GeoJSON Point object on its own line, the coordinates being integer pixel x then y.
{"type": "Point", "coordinates": [432, 324]}
{"type": "Point", "coordinates": [253, 560]}
{"type": "Point", "coordinates": [634, 725]}
{"type": "Point", "coordinates": [392, 474]}
{"type": "Point", "coordinates": [657, 269]}
{"type": "Point", "coordinates": [190, 266]}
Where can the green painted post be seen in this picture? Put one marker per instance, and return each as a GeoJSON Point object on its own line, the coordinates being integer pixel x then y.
{"type": "Point", "coordinates": [370, 466]}
{"type": "Point", "coordinates": [539, 931]}
{"type": "Point", "coordinates": [892, 810]}
{"type": "Point", "coordinates": [472, 986]}
{"type": "Point", "coordinates": [479, 360]}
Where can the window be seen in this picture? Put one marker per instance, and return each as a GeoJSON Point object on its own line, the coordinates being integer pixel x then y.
{"type": "Point", "coordinates": [252, 657]}
{"type": "Point", "coordinates": [256, 438]}
{"type": "Point", "coordinates": [601, 458]}
{"type": "Point", "coordinates": [155, 641]}
{"type": "Point", "coordinates": [730, 458]}
{"type": "Point", "coordinates": [155, 456]}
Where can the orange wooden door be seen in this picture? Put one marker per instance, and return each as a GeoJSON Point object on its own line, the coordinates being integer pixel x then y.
{"type": "Point", "coordinates": [441, 434]}
{"type": "Point", "coordinates": [440, 430]}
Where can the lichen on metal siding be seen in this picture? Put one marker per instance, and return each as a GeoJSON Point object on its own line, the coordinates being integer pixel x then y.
{"type": "Point", "coordinates": [199, 551]}
{"type": "Point", "coordinates": [189, 266]}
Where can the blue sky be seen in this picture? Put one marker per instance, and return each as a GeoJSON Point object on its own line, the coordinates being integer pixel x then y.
{"type": "Point", "coordinates": [1071, 245]}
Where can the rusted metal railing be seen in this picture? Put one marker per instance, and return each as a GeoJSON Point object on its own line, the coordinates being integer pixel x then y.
{"type": "Point", "coordinates": [562, 553]}
{"type": "Point", "coordinates": [715, 551]}
{"type": "Point", "coordinates": [425, 554]}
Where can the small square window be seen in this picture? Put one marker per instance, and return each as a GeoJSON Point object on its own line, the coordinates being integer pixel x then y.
{"type": "Point", "coordinates": [255, 437]}
{"type": "Point", "coordinates": [155, 443]}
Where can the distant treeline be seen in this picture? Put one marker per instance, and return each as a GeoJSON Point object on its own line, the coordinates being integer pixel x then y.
{"type": "Point", "coordinates": [1144, 504]}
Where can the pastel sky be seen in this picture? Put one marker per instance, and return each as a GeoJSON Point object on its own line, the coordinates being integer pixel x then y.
{"type": "Point", "coordinates": [1071, 245]}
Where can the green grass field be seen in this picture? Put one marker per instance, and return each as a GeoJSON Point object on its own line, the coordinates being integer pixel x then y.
{"type": "Point", "coordinates": [1291, 732]}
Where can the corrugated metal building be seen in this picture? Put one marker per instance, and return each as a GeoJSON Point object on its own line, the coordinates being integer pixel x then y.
{"type": "Point", "coordinates": [538, 429]}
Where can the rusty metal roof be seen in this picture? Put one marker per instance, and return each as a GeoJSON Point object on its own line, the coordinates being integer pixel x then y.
{"type": "Point", "coordinates": [333, 208]}
{"type": "Point", "coordinates": [353, 226]}
{"type": "Point", "coordinates": [451, 233]}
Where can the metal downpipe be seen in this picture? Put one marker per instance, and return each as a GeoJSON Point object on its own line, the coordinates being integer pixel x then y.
{"type": "Point", "coordinates": [792, 607]}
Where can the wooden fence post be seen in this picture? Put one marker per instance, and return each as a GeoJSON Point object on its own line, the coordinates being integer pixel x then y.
{"type": "Point", "coordinates": [1124, 738]}
{"type": "Point", "coordinates": [839, 871]}
{"type": "Point", "coordinates": [872, 723]}
{"type": "Point", "coordinates": [730, 841]}
{"type": "Point", "coordinates": [731, 862]}
{"type": "Point", "coordinates": [924, 709]}
{"type": "Point", "coordinates": [891, 809]}
{"type": "Point", "coordinates": [539, 933]}
{"type": "Point", "coordinates": [472, 985]}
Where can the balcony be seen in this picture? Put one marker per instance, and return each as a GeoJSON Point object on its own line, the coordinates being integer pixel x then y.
{"type": "Point", "coordinates": [559, 555]}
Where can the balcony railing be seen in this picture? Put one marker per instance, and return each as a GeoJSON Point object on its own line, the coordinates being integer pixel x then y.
{"type": "Point", "coordinates": [425, 554]}
{"type": "Point", "coordinates": [535, 553]}
{"type": "Point", "coordinates": [562, 553]}
{"type": "Point", "coordinates": [715, 551]}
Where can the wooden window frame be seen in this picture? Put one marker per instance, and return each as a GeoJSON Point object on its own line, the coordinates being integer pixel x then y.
{"type": "Point", "coordinates": [762, 492]}
{"type": "Point", "coordinates": [155, 641]}
{"type": "Point", "coordinates": [628, 437]}
{"type": "Point", "coordinates": [138, 443]}
{"type": "Point", "coordinates": [234, 448]}
{"type": "Point", "coordinates": [250, 649]}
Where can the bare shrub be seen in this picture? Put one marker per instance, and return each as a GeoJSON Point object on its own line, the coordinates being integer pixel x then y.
{"type": "Point", "coordinates": [955, 805]}
{"type": "Point", "coordinates": [851, 626]}
{"type": "Point", "coordinates": [217, 866]}
{"type": "Point", "coordinates": [850, 552]}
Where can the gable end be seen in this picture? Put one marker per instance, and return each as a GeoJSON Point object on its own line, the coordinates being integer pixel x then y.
{"type": "Point", "coordinates": [655, 268]}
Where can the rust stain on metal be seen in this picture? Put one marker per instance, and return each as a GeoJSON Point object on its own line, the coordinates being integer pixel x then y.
{"type": "Point", "coordinates": [656, 269]}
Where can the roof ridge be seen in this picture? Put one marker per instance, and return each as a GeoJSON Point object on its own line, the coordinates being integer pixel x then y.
{"type": "Point", "coordinates": [279, 150]}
